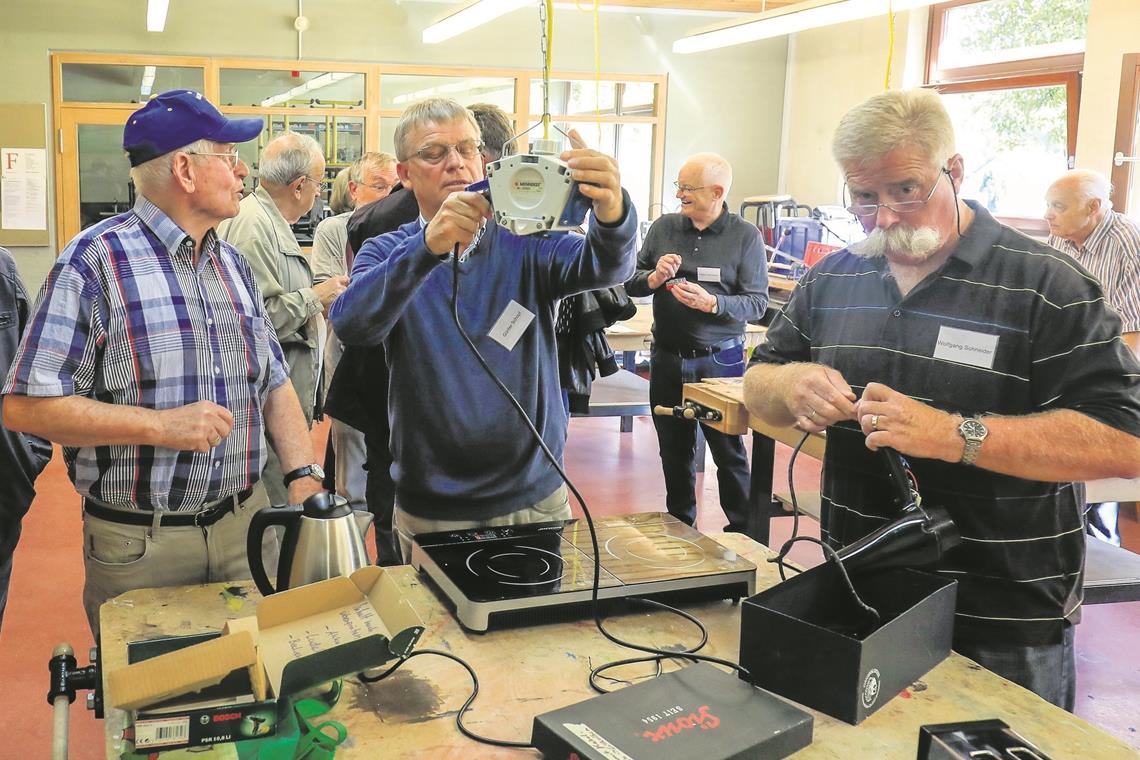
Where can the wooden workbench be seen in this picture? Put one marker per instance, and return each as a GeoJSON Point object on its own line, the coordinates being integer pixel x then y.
{"type": "Point", "coordinates": [526, 671]}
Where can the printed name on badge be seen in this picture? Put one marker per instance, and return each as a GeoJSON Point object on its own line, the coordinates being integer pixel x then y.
{"type": "Point", "coordinates": [708, 274]}
{"type": "Point", "coordinates": [510, 325]}
{"type": "Point", "coordinates": [966, 347]}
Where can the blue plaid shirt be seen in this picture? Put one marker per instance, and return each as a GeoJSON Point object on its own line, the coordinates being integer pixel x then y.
{"type": "Point", "coordinates": [126, 318]}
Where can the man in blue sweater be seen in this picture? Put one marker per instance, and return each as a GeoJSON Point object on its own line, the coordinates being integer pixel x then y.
{"type": "Point", "coordinates": [463, 458]}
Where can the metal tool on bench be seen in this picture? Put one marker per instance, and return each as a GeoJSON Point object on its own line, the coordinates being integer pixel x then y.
{"type": "Point", "coordinates": [66, 679]}
{"type": "Point", "coordinates": [690, 410]}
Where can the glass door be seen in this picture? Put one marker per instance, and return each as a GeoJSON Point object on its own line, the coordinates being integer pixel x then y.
{"type": "Point", "coordinates": [94, 173]}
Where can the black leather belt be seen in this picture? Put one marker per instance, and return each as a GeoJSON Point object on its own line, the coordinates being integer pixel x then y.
{"type": "Point", "coordinates": [697, 353]}
{"type": "Point", "coordinates": [201, 518]}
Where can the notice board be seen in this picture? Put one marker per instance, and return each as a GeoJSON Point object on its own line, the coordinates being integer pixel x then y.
{"type": "Point", "coordinates": [23, 127]}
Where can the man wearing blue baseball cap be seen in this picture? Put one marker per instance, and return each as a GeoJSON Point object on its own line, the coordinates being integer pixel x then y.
{"type": "Point", "coordinates": [150, 358]}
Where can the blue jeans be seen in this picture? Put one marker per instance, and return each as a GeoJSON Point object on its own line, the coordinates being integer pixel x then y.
{"type": "Point", "coordinates": [677, 438]}
{"type": "Point", "coordinates": [1047, 670]}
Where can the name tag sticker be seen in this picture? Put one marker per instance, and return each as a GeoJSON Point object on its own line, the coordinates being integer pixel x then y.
{"type": "Point", "coordinates": [510, 325]}
{"type": "Point", "coordinates": [708, 274]}
{"type": "Point", "coordinates": [966, 347]}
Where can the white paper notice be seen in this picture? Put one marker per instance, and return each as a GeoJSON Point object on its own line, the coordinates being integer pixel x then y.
{"type": "Point", "coordinates": [23, 188]}
{"type": "Point", "coordinates": [966, 346]}
{"type": "Point", "coordinates": [708, 274]}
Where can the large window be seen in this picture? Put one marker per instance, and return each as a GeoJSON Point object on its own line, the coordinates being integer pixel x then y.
{"type": "Point", "coordinates": [347, 107]}
{"type": "Point", "coordinates": [1009, 71]}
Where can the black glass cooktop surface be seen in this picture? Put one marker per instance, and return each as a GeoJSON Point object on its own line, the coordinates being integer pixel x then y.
{"type": "Point", "coordinates": [494, 570]}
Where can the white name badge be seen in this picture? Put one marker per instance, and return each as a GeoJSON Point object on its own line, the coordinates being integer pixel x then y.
{"type": "Point", "coordinates": [510, 325]}
{"type": "Point", "coordinates": [708, 274]}
{"type": "Point", "coordinates": [966, 347]}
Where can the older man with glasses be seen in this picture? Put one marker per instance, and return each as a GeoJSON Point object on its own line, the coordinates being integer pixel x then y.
{"type": "Point", "coordinates": [462, 455]}
{"type": "Point", "coordinates": [150, 358]}
{"type": "Point", "coordinates": [291, 176]}
{"type": "Point", "coordinates": [706, 270]}
{"type": "Point", "coordinates": [988, 360]}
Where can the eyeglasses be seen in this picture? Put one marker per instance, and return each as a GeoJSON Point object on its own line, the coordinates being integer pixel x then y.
{"type": "Point", "coordinates": [379, 187]}
{"type": "Point", "coordinates": [231, 157]}
{"type": "Point", "coordinates": [321, 183]}
{"type": "Point", "coordinates": [437, 152]}
{"type": "Point", "coordinates": [899, 207]}
{"type": "Point", "coordinates": [687, 188]}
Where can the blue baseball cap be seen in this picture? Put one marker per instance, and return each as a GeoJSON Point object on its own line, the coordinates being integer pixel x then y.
{"type": "Point", "coordinates": [177, 118]}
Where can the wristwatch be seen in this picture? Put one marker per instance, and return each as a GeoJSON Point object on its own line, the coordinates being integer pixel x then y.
{"type": "Point", "coordinates": [973, 432]}
{"type": "Point", "coordinates": [314, 471]}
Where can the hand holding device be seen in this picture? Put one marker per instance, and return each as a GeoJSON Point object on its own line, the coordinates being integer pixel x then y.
{"type": "Point", "coordinates": [666, 271]}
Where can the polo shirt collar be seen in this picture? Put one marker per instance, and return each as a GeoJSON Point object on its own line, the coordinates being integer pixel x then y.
{"type": "Point", "coordinates": [715, 228]}
{"type": "Point", "coordinates": [172, 237]}
{"type": "Point", "coordinates": [978, 238]}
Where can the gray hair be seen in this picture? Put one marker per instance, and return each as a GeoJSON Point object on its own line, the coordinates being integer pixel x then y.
{"type": "Point", "coordinates": [434, 110]}
{"type": "Point", "coordinates": [1092, 186]}
{"type": "Point", "coordinates": [155, 173]}
{"type": "Point", "coordinates": [370, 159]}
{"type": "Point", "coordinates": [287, 157]}
{"type": "Point", "coordinates": [891, 120]}
{"type": "Point", "coordinates": [715, 170]}
{"type": "Point", "coordinates": [495, 129]}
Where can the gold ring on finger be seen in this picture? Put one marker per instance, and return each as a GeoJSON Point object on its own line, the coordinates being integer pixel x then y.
{"type": "Point", "coordinates": [874, 422]}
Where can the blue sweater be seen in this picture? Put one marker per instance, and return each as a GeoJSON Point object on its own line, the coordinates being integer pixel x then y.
{"type": "Point", "coordinates": [461, 451]}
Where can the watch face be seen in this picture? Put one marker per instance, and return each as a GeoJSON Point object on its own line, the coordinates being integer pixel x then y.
{"type": "Point", "coordinates": [316, 471]}
{"type": "Point", "coordinates": [972, 429]}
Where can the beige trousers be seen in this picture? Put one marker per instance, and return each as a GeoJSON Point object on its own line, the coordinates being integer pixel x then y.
{"type": "Point", "coordinates": [556, 506]}
{"type": "Point", "coordinates": [119, 558]}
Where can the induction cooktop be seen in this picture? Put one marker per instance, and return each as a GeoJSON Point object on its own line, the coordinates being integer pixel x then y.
{"type": "Point", "coordinates": [493, 571]}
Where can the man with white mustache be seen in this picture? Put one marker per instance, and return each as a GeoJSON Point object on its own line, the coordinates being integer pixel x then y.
{"type": "Point", "coordinates": [989, 360]}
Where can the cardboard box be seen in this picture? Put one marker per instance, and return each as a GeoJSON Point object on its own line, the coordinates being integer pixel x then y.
{"type": "Point", "coordinates": [226, 684]}
{"type": "Point", "coordinates": [800, 638]}
{"type": "Point", "coordinates": [696, 712]}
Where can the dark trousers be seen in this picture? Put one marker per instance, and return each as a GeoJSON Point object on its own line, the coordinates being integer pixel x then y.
{"type": "Point", "coordinates": [7, 551]}
{"type": "Point", "coordinates": [1048, 670]}
{"type": "Point", "coordinates": [380, 493]}
{"type": "Point", "coordinates": [677, 438]}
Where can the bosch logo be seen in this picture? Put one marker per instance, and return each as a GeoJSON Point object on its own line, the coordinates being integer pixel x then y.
{"type": "Point", "coordinates": [871, 686]}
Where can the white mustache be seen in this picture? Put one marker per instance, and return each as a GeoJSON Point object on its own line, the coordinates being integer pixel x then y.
{"type": "Point", "coordinates": [914, 243]}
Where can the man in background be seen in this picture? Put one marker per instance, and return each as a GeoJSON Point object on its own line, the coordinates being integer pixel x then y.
{"type": "Point", "coordinates": [369, 179]}
{"type": "Point", "coordinates": [706, 270]}
{"type": "Point", "coordinates": [150, 358]}
{"type": "Point", "coordinates": [22, 457]}
{"type": "Point", "coordinates": [1107, 243]}
{"type": "Point", "coordinates": [291, 176]}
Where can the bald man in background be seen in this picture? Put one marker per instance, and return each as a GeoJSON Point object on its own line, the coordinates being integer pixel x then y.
{"type": "Point", "coordinates": [706, 270]}
{"type": "Point", "coordinates": [290, 177]}
{"type": "Point", "coordinates": [1107, 243]}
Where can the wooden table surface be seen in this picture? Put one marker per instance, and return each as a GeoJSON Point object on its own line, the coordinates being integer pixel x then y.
{"type": "Point", "coordinates": [526, 671]}
{"type": "Point", "coordinates": [636, 333]}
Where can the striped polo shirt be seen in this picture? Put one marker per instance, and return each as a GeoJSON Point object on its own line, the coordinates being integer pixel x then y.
{"type": "Point", "coordinates": [1112, 254]}
{"type": "Point", "coordinates": [125, 317]}
{"type": "Point", "coordinates": [1052, 344]}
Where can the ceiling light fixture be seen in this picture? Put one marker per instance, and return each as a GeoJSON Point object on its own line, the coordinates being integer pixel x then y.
{"type": "Point", "coordinates": [299, 92]}
{"type": "Point", "coordinates": [788, 20]}
{"type": "Point", "coordinates": [156, 15]}
{"type": "Point", "coordinates": [471, 15]}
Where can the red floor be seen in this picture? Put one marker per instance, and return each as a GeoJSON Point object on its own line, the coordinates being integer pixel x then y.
{"type": "Point", "coordinates": [616, 473]}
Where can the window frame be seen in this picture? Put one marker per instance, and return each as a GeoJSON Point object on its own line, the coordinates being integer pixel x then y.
{"type": "Point", "coordinates": [1066, 70]}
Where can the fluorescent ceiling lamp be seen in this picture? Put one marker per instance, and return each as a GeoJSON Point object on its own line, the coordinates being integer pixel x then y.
{"type": "Point", "coordinates": [156, 15]}
{"type": "Point", "coordinates": [479, 86]}
{"type": "Point", "coordinates": [468, 17]}
{"type": "Point", "coordinates": [316, 83]}
{"type": "Point", "coordinates": [790, 19]}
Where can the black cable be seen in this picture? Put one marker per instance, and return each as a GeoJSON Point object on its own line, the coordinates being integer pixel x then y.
{"type": "Point", "coordinates": [792, 490]}
{"type": "Point", "coordinates": [594, 601]}
{"type": "Point", "coordinates": [459, 715]}
{"type": "Point", "coordinates": [833, 557]}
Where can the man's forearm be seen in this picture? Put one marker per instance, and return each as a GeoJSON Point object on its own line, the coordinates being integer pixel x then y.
{"type": "Point", "coordinates": [763, 392]}
{"type": "Point", "coordinates": [1058, 446]}
{"type": "Point", "coordinates": [81, 421]}
{"type": "Point", "coordinates": [288, 433]}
